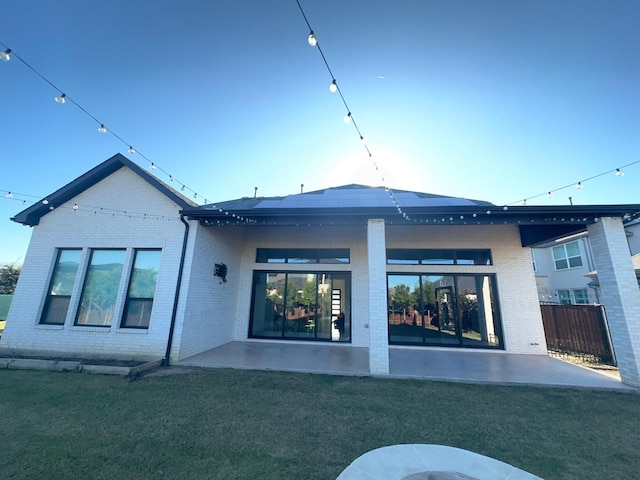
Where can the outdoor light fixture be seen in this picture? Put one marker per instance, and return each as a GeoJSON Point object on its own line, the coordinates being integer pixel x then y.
{"type": "Point", "coordinates": [220, 270]}
{"type": "Point", "coordinates": [61, 98]}
{"type": "Point", "coordinates": [6, 55]}
{"type": "Point", "coordinates": [579, 186]}
{"type": "Point", "coordinates": [153, 166]}
{"type": "Point", "coordinates": [313, 41]}
{"type": "Point", "coordinates": [549, 195]}
{"type": "Point", "coordinates": [102, 128]}
{"type": "Point", "coordinates": [333, 88]}
{"type": "Point", "coordinates": [619, 173]}
{"type": "Point", "coordinates": [347, 118]}
{"type": "Point", "coordinates": [131, 150]}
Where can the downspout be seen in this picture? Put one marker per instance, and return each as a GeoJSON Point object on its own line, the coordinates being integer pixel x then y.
{"type": "Point", "coordinates": [165, 360]}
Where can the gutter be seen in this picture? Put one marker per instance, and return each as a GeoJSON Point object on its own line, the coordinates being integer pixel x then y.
{"type": "Point", "coordinates": [176, 297]}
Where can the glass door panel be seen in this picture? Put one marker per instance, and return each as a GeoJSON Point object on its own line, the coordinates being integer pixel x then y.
{"type": "Point", "coordinates": [338, 311]}
{"type": "Point", "coordinates": [268, 304]}
{"type": "Point", "coordinates": [440, 310]}
{"type": "Point", "coordinates": [300, 305]}
{"type": "Point", "coordinates": [478, 315]}
{"type": "Point", "coordinates": [405, 321]}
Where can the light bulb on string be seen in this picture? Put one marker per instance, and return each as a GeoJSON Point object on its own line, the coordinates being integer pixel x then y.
{"type": "Point", "coordinates": [102, 128]}
{"type": "Point", "coordinates": [61, 98]}
{"type": "Point", "coordinates": [313, 41]}
{"type": "Point", "coordinates": [9, 195]}
{"type": "Point", "coordinates": [619, 173]}
{"type": "Point", "coordinates": [75, 206]}
{"type": "Point", "coordinates": [333, 88]}
{"type": "Point", "coordinates": [579, 186]}
{"type": "Point", "coordinates": [131, 150]}
{"type": "Point", "coordinates": [549, 195]}
{"type": "Point", "coordinates": [347, 118]}
{"type": "Point", "coordinates": [6, 55]}
{"type": "Point", "coordinates": [153, 166]}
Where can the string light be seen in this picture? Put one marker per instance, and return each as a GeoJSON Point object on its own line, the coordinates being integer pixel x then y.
{"type": "Point", "coordinates": [313, 41]}
{"type": "Point", "coordinates": [6, 55]}
{"type": "Point", "coordinates": [347, 118]}
{"type": "Point", "coordinates": [582, 182]}
{"type": "Point", "coordinates": [61, 98]}
{"type": "Point", "coordinates": [153, 166]}
{"type": "Point", "coordinates": [131, 150]}
{"type": "Point", "coordinates": [102, 128]}
{"type": "Point", "coordinates": [333, 88]}
{"type": "Point", "coordinates": [579, 186]}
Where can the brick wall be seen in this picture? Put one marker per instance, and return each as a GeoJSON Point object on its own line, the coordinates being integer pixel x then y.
{"type": "Point", "coordinates": [620, 294]}
{"type": "Point", "coordinates": [64, 227]}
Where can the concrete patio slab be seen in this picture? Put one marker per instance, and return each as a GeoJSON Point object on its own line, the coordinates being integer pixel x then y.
{"type": "Point", "coordinates": [419, 363]}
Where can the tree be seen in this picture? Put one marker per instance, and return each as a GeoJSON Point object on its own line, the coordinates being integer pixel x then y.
{"type": "Point", "coordinates": [9, 278]}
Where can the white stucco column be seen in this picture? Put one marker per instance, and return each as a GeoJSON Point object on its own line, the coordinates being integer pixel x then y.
{"type": "Point", "coordinates": [620, 294]}
{"type": "Point", "coordinates": [377, 260]}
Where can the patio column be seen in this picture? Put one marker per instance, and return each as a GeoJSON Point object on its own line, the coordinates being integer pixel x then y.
{"type": "Point", "coordinates": [377, 261]}
{"type": "Point", "coordinates": [620, 294]}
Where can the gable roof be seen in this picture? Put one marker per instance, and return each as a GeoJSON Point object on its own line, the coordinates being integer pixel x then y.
{"type": "Point", "coordinates": [32, 215]}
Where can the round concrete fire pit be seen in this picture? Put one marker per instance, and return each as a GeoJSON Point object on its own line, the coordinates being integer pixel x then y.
{"type": "Point", "coordinates": [429, 462]}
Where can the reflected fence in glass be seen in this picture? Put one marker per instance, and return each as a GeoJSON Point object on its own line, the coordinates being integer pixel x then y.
{"type": "Point", "coordinates": [445, 310]}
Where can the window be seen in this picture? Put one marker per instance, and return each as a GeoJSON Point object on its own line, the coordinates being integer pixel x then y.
{"type": "Point", "coordinates": [302, 255]}
{"type": "Point", "coordinates": [564, 297]}
{"type": "Point", "coordinates": [397, 256]}
{"type": "Point", "coordinates": [445, 310]}
{"type": "Point", "coordinates": [301, 305]}
{"type": "Point", "coordinates": [100, 291]}
{"type": "Point", "coordinates": [573, 296]}
{"type": "Point", "coordinates": [142, 287]}
{"type": "Point", "coordinates": [581, 295]}
{"type": "Point", "coordinates": [567, 256]}
{"type": "Point", "coordinates": [56, 305]}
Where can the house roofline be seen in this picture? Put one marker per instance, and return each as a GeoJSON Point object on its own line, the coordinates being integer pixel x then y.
{"type": "Point", "coordinates": [32, 215]}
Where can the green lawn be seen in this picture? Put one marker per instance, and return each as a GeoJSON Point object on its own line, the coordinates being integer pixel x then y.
{"type": "Point", "coordinates": [228, 424]}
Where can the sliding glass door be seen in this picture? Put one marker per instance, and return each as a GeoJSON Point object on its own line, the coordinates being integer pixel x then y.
{"type": "Point", "coordinates": [445, 310]}
{"type": "Point", "coordinates": [301, 306]}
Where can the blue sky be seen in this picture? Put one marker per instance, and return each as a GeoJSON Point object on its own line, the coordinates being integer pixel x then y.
{"type": "Point", "coordinates": [494, 100]}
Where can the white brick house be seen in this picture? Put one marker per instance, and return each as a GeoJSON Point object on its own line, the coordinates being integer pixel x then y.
{"type": "Point", "coordinates": [121, 265]}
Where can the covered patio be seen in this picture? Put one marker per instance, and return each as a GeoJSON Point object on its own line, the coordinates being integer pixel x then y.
{"type": "Point", "coordinates": [494, 367]}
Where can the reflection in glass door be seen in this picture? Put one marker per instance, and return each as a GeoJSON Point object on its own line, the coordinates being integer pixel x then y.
{"type": "Point", "coordinates": [301, 306]}
{"type": "Point", "coordinates": [447, 310]}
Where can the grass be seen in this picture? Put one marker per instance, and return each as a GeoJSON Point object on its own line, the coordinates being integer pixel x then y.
{"type": "Point", "coordinates": [228, 424]}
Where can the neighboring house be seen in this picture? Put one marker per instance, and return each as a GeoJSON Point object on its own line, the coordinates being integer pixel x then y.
{"type": "Point", "coordinates": [565, 268]}
{"type": "Point", "coordinates": [122, 265]}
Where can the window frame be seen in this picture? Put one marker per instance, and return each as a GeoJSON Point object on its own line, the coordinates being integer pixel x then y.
{"type": "Point", "coordinates": [441, 256]}
{"type": "Point", "coordinates": [128, 298]}
{"type": "Point", "coordinates": [566, 257]}
{"type": "Point", "coordinates": [49, 299]}
{"type": "Point", "coordinates": [304, 256]}
{"type": "Point", "coordinates": [117, 298]}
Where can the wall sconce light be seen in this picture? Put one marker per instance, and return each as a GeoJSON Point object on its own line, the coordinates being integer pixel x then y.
{"type": "Point", "coordinates": [221, 271]}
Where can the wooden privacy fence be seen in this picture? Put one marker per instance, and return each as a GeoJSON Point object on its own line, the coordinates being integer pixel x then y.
{"type": "Point", "coordinates": [578, 330]}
